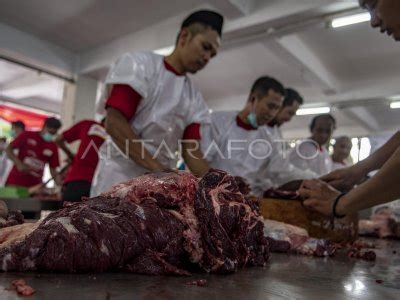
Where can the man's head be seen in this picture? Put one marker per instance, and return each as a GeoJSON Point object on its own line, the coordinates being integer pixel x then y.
{"type": "Point", "coordinates": [322, 127]}
{"type": "Point", "coordinates": [199, 39]}
{"type": "Point", "coordinates": [50, 128]}
{"type": "Point", "coordinates": [265, 99]}
{"type": "Point", "coordinates": [290, 105]}
{"type": "Point", "coordinates": [342, 148]}
{"type": "Point", "coordinates": [384, 14]}
{"type": "Point", "coordinates": [17, 128]}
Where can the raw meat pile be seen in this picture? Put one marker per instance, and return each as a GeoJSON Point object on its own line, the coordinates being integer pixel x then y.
{"type": "Point", "coordinates": [165, 223]}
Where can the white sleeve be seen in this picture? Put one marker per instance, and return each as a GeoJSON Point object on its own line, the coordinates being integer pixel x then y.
{"type": "Point", "coordinates": [135, 70]}
{"type": "Point", "coordinates": [199, 111]}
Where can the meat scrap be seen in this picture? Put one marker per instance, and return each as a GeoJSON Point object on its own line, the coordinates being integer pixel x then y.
{"type": "Point", "coordinates": [289, 190]}
{"type": "Point", "coordinates": [200, 282]}
{"type": "Point", "coordinates": [161, 224]}
{"type": "Point", "coordinates": [23, 289]}
{"type": "Point", "coordinates": [288, 238]}
{"type": "Point", "coordinates": [13, 218]}
{"type": "Point", "coordinates": [366, 255]}
{"type": "Point", "coordinates": [383, 222]}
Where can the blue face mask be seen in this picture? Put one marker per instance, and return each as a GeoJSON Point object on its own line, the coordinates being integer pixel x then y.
{"type": "Point", "coordinates": [252, 119]}
{"type": "Point", "coordinates": [13, 133]}
{"type": "Point", "coordinates": [48, 137]}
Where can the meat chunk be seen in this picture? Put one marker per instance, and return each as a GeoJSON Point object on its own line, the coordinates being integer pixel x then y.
{"type": "Point", "coordinates": [288, 238]}
{"type": "Point", "coordinates": [160, 224]}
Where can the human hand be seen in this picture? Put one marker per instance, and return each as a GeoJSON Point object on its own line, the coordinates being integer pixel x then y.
{"type": "Point", "coordinates": [319, 196]}
{"type": "Point", "coordinates": [344, 179]}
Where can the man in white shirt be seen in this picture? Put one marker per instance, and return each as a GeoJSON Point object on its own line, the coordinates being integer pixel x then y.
{"type": "Point", "coordinates": [312, 154]}
{"type": "Point", "coordinates": [238, 142]}
{"type": "Point", "coordinates": [153, 106]}
{"type": "Point", "coordinates": [341, 152]}
{"type": "Point", "coordinates": [291, 103]}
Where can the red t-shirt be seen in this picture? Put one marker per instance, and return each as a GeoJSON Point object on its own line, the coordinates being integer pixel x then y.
{"type": "Point", "coordinates": [126, 100]}
{"type": "Point", "coordinates": [35, 152]}
{"type": "Point", "coordinates": [92, 135]}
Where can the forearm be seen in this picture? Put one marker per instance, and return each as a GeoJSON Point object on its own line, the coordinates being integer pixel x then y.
{"type": "Point", "coordinates": [128, 141]}
{"type": "Point", "coordinates": [194, 159]}
{"type": "Point", "coordinates": [381, 188]}
{"type": "Point", "coordinates": [12, 156]}
{"type": "Point", "coordinates": [378, 158]}
{"type": "Point", "coordinates": [54, 174]}
{"type": "Point", "coordinates": [61, 143]}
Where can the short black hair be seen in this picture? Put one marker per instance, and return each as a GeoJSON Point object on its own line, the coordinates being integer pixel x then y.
{"type": "Point", "coordinates": [200, 21]}
{"type": "Point", "coordinates": [52, 123]}
{"type": "Point", "coordinates": [18, 124]}
{"type": "Point", "coordinates": [323, 116]}
{"type": "Point", "coordinates": [263, 84]}
{"type": "Point", "coordinates": [208, 18]}
{"type": "Point", "coordinates": [3, 139]}
{"type": "Point", "coordinates": [291, 95]}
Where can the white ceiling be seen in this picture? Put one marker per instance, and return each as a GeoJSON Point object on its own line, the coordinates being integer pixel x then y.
{"type": "Point", "coordinates": [79, 25]}
{"type": "Point", "coordinates": [355, 69]}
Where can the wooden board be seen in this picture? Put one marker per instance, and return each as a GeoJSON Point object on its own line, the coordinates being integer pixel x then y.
{"type": "Point", "coordinates": [317, 225]}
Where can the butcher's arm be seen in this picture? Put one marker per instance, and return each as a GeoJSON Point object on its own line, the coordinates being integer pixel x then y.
{"type": "Point", "coordinates": [54, 174]}
{"type": "Point", "coordinates": [124, 137]}
{"type": "Point", "coordinates": [381, 188]}
{"type": "Point", "coordinates": [22, 167]}
{"type": "Point", "coordinates": [61, 143]}
{"type": "Point", "coordinates": [194, 158]}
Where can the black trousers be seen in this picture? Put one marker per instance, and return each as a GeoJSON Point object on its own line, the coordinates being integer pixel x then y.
{"type": "Point", "coordinates": [73, 191]}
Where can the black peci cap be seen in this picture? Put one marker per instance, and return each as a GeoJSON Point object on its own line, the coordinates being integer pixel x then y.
{"type": "Point", "coordinates": [206, 17]}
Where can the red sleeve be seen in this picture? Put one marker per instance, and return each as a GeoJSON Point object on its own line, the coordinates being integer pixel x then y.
{"type": "Point", "coordinates": [54, 160]}
{"type": "Point", "coordinates": [73, 133]}
{"type": "Point", "coordinates": [192, 132]}
{"type": "Point", "coordinates": [20, 140]}
{"type": "Point", "coordinates": [125, 99]}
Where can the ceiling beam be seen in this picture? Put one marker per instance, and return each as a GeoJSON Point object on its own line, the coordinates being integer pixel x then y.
{"type": "Point", "coordinates": [21, 81]}
{"type": "Point", "coordinates": [19, 46]}
{"type": "Point", "coordinates": [363, 117]}
{"type": "Point", "coordinates": [40, 103]}
{"type": "Point", "coordinates": [295, 52]}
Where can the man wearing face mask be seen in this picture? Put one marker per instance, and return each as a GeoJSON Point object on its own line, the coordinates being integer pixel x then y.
{"type": "Point", "coordinates": [313, 154]}
{"type": "Point", "coordinates": [35, 150]}
{"type": "Point", "coordinates": [236, 142]}
{"type": "Point", "coordinates": [153, 106]}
